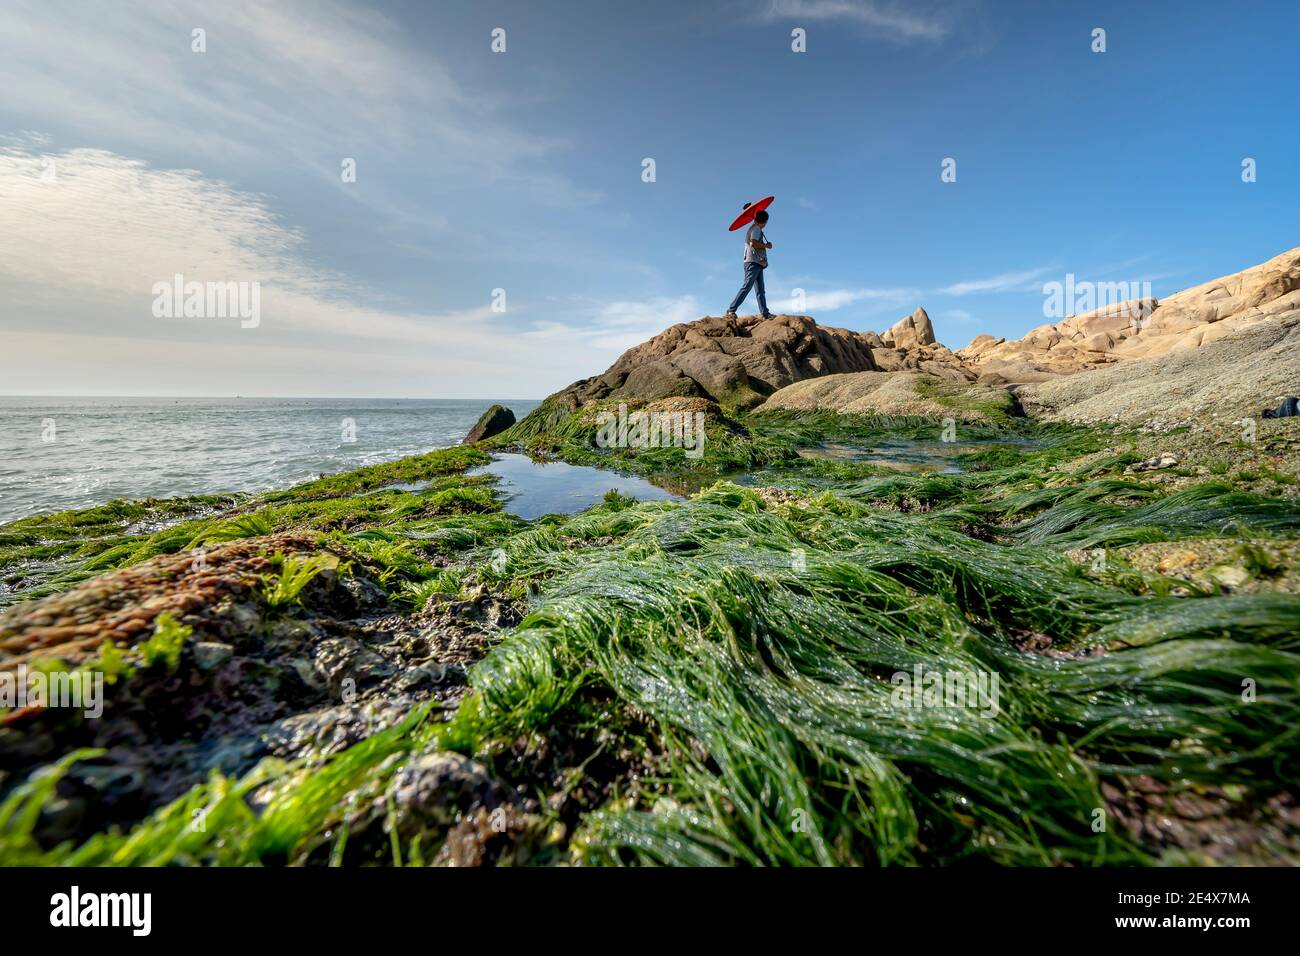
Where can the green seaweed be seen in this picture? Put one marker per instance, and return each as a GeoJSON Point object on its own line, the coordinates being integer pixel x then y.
{"type": "Point", "coordinates": [759, 641]}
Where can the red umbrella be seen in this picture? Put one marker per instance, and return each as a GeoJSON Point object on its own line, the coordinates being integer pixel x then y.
{"type": "Point", "coordinates": [747, 213]}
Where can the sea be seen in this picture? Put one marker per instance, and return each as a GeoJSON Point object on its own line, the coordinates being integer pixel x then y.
{"type": "Point", "coordinates": [61, 453]}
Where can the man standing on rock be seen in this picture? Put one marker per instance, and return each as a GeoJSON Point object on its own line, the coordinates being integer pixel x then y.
{"type": "Point", "coordinates": [756, 246]}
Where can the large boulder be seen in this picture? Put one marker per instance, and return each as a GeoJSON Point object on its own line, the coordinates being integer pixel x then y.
{"type": "Point", "coordinates": [661, 379]}
{"type": "Point", "coordinates": [734, 361]}
{"type": "Point", "coordinates": [911, 332]}
{"type": "Point", "coordinates": [725, 378]}
{"type": "Point", "coordinates": [909, 345]}
{"type": "Point", "coordinates": [492, 422]}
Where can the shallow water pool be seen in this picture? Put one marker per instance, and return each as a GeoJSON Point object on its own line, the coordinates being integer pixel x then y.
{"type": "Point", "coordinates": [531, 489]}
{"type": "Point", "coordinates": [914, 456]}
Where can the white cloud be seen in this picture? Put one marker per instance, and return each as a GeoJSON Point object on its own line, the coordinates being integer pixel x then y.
{"type": "Point", "coordinates": [117, 226]}
{"type": "Point", "coordinates": [830, 300]}
{"type": "Point", "coordinates": [614, 327]}
{"type": "Point", "coordinates": [89, 364]}
{"type": "Point", "coordinates": [25, 137]}
{"type": "Point", "coordinates": [80, 253]}
{"type": "Point", "coordinates": [659, 313]}
{"type": "Point", "coordinates": [307, 80]}
{"type": "Point", "coordinates": [893, 21]}
{"type": "Point", "coordinates": [1006, 282]}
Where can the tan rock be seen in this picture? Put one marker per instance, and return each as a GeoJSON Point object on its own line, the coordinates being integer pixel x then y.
{"type": "Point", "coordinates": [911, 332]}
{"type": "Point", "coordinates": [1178, 560]}
{"type": "Point", "coordinates": [979, 344]}
{"type": "Point", "coordinates": [1100, 342]}
{"type": "Point", "coordinates": [889, 394]}
{"type": "Point", "coordinates": [889, 360]}
{"type": "Point", "coordinates": [1147, 328]}
{"type": "Point", "coordinates": [1113, 318]}
{"type": "Point", "coordinates": [1225, 380]}
{"type": "Point", "coordinates": [1170, 320]}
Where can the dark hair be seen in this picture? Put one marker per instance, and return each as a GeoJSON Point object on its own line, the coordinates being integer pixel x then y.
{"type": "Point", "coordinates": [760, 216]}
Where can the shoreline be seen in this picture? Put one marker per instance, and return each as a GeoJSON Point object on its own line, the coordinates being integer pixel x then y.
{"type": "Point", "coordinates": [66, 455]}
{"type": "Point", "coordinates": [416, 622]}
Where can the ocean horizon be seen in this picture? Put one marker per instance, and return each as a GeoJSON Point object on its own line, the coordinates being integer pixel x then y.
{"type": "Point", "coordinates": [61, 452]}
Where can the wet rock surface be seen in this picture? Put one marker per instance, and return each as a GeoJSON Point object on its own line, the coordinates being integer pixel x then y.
{"type": "Point", "coordinates": [1216, 565]}
{"type": "Point", "coordinates": [1165, 459]}
{"type": "Point", "coordinates": [492, 422]}
{"type": "Point", "coordinates": [297, 682]}
{"type": "Point", "coordinates": [196, 587]}
{"type": "Point", "coordinates": [1200, 825]}
{"type": "Point", "coordinates": [439, 807]}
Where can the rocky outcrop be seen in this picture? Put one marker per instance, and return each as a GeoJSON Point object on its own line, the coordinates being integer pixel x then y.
{"type": "Point", "coordinates": [936, 360]}
{"type": "Point", "coordinates": [911, 332]}
{"type": "Point", "coordinates": [909, 346]}
{"type": "Point", "coordinates": [1229, 379]}
{"type": "Point", "coordinates": [1144, 328]}
{"type": "Point", "coordinates": [892, 394]}
{"type": "Point", "coordinates": [742, 362]}
{"type": "Point", "coordinates": [734, 361]}
{"type": "Point", "coordinates": [492, 422]}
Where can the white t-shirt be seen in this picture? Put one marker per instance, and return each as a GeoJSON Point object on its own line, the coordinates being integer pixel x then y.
{"type": "Point", "coordinates": [755, 234]}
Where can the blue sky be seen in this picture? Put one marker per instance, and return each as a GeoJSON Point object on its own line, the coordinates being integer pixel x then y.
{"type": "Point", "coordinates": [522, 171]}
